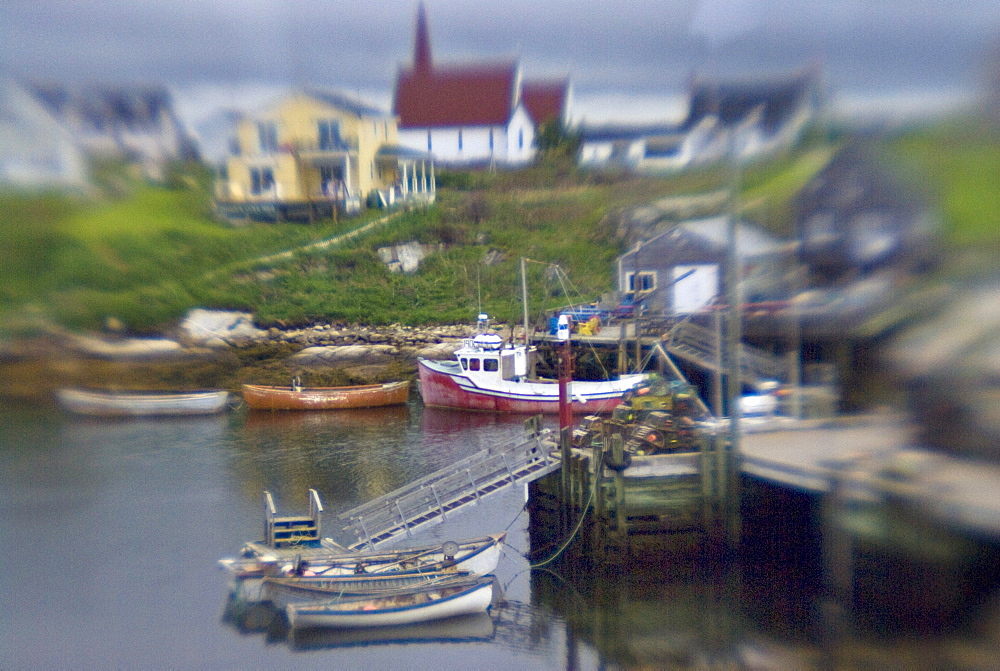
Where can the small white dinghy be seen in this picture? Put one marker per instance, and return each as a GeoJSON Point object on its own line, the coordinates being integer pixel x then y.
{"type": "Point", "coordinates": [403, 607]}
{"type": "Point", "coordinates": [98, 403]}
{"type": "Point", "coordinates": [281, 591]}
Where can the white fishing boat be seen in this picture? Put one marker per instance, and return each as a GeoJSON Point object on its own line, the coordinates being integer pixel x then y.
{"type": "Point", "coordinates": [487, 374]}
{"type": "Point", "coordinates": [477, 627]}
{"type": "Point", "coordinates": [401, 608]}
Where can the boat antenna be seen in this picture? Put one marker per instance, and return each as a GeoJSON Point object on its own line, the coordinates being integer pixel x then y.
{"type": "Point", "coordinates": [479, 288]}
{"type": "Point", "coordinates": [524, 300]}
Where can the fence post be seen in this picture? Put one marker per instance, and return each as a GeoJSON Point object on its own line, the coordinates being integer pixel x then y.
{"type": "Point", "coordinates": [618, 452]}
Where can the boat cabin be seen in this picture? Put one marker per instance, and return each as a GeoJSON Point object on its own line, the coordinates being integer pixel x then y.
{"type": "Point", "coordinates": [485, 356]}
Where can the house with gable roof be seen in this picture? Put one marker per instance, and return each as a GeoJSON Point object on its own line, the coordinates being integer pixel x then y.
{"type": "Point", "coordinates": [136, 123]}
{"type": "Point", "coordinates": [681, 271]}
{"type": "Point", "coordinates": [36, 150]}
{"type": "Point", "coordinates": [743, 120]}
{"type": "Point", "coordinates": [315, 153]}
{"type": "Point", "coordinates": [472, 114]}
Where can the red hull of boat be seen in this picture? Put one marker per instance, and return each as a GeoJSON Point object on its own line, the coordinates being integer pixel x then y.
{"type": "Point", "coordinates": [440, 390]}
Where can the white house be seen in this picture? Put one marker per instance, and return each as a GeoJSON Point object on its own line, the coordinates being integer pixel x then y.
{"type": "Point", "coordinates": [36, 150]}
{"type": "Point", "coordinates": [742, 120]}
{"type": "Point", "coordinates": [682, 270]}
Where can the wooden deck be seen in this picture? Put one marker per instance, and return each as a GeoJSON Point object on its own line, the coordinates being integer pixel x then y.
{"type": "Point", "coordinates": [875, 455]}
{"type": "Point", "coordinates": [870, 454]}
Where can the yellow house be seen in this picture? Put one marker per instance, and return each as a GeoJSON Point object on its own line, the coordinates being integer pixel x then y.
{"type": "Point", "coordinates": [314, 153]}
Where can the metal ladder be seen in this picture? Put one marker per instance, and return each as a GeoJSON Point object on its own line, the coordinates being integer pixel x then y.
{"type": "Point", "coordinates": [292, 529]}
{"type": "Point", "coordinates": [429, 500]}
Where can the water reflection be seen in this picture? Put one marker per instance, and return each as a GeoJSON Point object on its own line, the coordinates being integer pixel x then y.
{"type": "Point", "coordinates": [660, 615]}
{"type": "Point", "coordinates": [352, 456]}
{"type": "Point", "coordinates": [349, 456]}
{"type": "Point", "coordinates": [295, 421]}
{"type": "Point", "coordinates": [263, 619]}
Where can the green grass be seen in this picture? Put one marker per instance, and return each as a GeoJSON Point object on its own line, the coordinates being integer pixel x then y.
{"type": "Point", "coordinates": [145, 254]}
{"type": "Point", "coordinates": [767, 191]}
{"type": "Point", "coordinates": [958, 163]}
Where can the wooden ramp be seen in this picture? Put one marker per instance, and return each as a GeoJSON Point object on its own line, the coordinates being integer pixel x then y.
{"type": "Point", "coordinates": [429, 501]}
{"type": "Point", "coordinates": [700, 346]}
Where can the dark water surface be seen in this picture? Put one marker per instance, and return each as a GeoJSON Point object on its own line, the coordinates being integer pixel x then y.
{"type": "Point", "coordinates": [112, 531]}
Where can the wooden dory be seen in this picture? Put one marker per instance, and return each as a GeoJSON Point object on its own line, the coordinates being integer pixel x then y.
{"type": "Point", "coordinates": [141, 404]}
{"type": "Point", "coordinates": [261, 397]}
{"type": "Point", "coordinates": [478, 555]}
{"type": "Point", "coordinates": [404, 607]}
{"type": "Point", "coordinates": [301, 589]}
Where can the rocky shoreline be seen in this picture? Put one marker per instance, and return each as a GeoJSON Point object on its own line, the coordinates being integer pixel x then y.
{"type": "Point", "coordinates": [222, 351]}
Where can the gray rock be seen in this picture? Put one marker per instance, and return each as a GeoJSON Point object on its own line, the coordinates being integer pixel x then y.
{"type": "Point", "coordinates": [216, 328]}
{"type": "Point", "coordinates": [338, 356]}
{"type": "Point", "coordinates": [439, 351]}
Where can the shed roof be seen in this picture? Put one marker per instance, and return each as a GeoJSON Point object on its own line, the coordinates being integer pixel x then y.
{"type": "Point", "coordinates": [751, 241]}
{"type": "Point", "coordinates": [631, 132]}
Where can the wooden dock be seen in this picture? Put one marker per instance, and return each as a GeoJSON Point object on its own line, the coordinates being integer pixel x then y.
{"type": "Point", "coordinates": [874, 456]}
{"type": "Point", "coordinates": [692, 491]}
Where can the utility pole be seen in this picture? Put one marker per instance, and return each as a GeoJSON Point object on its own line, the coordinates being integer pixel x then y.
{"type": "Point", "coordinates": [734, 336]}
{"type": "Point", "coordinates": [524, 301]}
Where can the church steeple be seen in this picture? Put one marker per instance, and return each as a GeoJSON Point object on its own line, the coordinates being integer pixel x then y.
{"type": "Point", "coordinates": [422, 48]}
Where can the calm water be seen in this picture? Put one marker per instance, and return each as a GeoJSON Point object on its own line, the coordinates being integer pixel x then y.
{"type": "Point", "coordinates": [112, 530]}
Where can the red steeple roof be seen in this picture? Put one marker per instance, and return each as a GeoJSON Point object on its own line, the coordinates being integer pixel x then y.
{"type": "Point", "coordinates": [456, 96]}
{"type": "Point", "coordinates": [471, 95]}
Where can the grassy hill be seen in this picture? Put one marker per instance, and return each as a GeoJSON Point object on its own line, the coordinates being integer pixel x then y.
{"type": "Point", "coordinates": [958, 162]}
{"type": "Point", "coordinates": [141, 255]}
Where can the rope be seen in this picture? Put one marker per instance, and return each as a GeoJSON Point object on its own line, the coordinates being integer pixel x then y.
{"type": "Point", "coordinates": [583, 516]}
{"type": "Point", "coordinates": [523, 508]}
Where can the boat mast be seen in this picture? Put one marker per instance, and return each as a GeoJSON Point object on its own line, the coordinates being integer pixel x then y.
{"type": "Point", "coordinates": [524, 300]}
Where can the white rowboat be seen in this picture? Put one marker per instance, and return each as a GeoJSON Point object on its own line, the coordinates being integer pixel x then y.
{"type": "Point", "coordinates": [479, 556]}
{"type": "Point", "coordinates": [408, 607]}
{"type": "Point", "coordinates": [141, 404]}
{"type": "Point", "coordinates": [301, 589]}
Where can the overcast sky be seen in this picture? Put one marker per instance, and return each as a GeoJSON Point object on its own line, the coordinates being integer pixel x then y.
{"type": "Point", "coordinates": [640, 47]}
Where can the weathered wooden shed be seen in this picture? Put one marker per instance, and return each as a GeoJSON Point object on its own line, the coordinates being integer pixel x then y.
{"type": "Point", "coordinates": [681, 271]}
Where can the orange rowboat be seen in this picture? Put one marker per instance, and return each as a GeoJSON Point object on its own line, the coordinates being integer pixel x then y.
{"type": "Point", "coordinates": [294, 397]}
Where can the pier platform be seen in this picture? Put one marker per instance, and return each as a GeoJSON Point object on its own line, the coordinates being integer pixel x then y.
{"type": "Point", "coordinates": [875, 454]}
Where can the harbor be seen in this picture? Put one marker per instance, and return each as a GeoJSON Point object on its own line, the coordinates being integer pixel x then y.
{"type": "Point", "coordinates": [133, 481]}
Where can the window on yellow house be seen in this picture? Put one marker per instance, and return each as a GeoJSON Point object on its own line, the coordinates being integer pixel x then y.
{"type": "Point", "coordinates": [329, 134]}
{"type": "Point", "coordinates": [267, 135]}
{"type": "Point", "coordinates": [261, 180]}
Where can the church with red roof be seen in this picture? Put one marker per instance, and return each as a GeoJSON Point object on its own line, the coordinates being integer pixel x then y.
{"type": "Point", "coordinates": [473, 113]}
